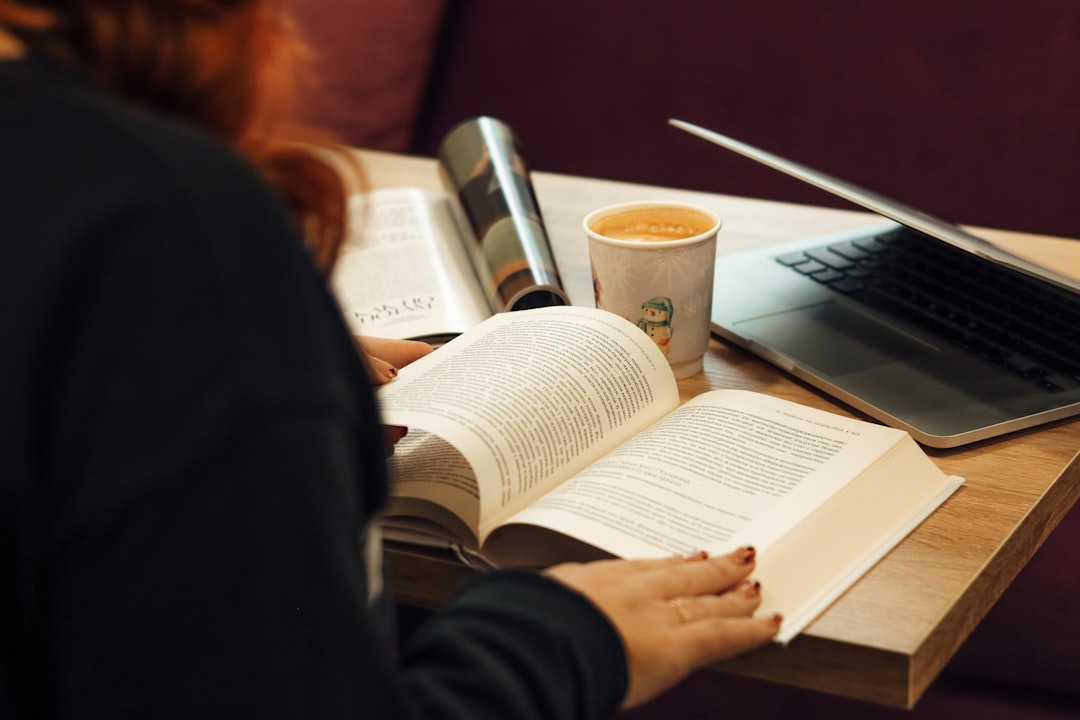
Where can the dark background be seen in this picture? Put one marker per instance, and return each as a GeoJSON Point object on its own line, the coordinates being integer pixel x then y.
{"type": "Point", "coordinates": [969, 109]}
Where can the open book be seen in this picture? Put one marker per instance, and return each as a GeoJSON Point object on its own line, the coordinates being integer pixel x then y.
{"type": "Point", "coordinates": [428, 266]}
{"type": "Point", "coordinates": [557, 434]}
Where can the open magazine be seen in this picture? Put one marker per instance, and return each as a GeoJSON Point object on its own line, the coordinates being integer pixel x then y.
{"type": "Point", "coordinates": [429, 266]}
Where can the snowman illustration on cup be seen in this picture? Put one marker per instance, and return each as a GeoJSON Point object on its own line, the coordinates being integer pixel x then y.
{"type": "Point", "coordinates": [655, 320]}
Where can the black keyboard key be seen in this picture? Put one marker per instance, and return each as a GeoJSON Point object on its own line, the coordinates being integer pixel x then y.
{"type": "Point", "coordinates": [809, 267]}
{"type": "Point", "coordinates": [827, 257]}
{"type": "Point", "coordinates": [792, 259]}
{"type": "Point", "coordinates": [827, 276]}
{"type": "Point", "coordinates": [845, 284]}
{"type": "Point", "coordinates": [849, 250]}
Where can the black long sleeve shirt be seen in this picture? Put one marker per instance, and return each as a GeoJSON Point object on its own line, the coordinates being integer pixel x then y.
{"type": "Point", "coordinates": [190, 455]}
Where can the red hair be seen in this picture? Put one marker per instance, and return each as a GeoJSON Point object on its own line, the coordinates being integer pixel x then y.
{"type": "Point", "coordinates": [230, 66]}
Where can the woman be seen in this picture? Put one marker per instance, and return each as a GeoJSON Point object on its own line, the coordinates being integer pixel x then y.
{"type": "Point", "coordinates": [191, 450]}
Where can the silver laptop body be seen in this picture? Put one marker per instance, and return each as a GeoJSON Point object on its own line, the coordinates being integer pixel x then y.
{"type": "Point", "coordinates": [890, 368]}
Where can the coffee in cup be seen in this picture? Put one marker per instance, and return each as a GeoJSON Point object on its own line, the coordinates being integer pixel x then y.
{"type": "Point", "coordinates": [652, 263]}
{"type": "Point", "coordinates": [657, 223]}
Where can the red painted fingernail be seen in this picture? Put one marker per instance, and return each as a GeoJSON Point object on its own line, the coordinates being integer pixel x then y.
{"type": "Point", "coordinates": [696, 555]}
{"type": "Point", "coordinates": [750, 588]}
{"type": "Point", "coordinates": [745, 555]}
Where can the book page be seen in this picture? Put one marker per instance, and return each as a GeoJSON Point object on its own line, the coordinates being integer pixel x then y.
{"type": "Point", "coordinates": [404, 271]}
{"type": "Point", "coordinates": [822, 497]}
{"type": "Point", "coordinates": [528, 398]}
{"type": "Point", "coordinates": [447, 497]}
{"type": "Point", "coordinates": [724, 464]}
{"type": "Point", "coordinates": [804, 571]}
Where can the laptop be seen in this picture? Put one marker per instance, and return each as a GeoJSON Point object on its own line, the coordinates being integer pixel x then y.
{"type": "Point", "coordinates": [913, 321]}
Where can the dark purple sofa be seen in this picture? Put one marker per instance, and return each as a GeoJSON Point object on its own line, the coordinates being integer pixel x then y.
{"type": "Point", "coordinates": [967, 108]}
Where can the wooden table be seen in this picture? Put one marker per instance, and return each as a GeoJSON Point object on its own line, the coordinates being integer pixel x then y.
{"type": "Point", "coordinates": [887, 638]}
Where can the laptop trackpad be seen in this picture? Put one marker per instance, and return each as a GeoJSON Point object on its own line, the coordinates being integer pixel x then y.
{"type": "Point", "coordinates": [832, 338]}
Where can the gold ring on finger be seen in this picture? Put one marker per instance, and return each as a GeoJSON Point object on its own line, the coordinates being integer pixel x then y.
{"type": "Point", "coordinates": [683, 609]}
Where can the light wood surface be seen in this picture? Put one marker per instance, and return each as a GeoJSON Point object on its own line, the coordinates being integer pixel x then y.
{"type": "Point", "coordinates": [887, 638]}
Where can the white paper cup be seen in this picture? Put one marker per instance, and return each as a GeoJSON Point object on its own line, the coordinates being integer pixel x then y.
{"type": "Point", "coordinates": [652, 263]}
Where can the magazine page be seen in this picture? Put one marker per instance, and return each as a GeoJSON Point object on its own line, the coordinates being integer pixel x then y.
{"type": "Point", "coordinates": [404, 271]}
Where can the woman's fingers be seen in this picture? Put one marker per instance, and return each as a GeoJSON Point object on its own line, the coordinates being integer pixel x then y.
{"type": "Point", "coordinates": [391, 435]}
{"type": "Point", "coordinates": [712, 639]}
{"type": "Point", "coordinates": [699, 574]}
{"type": "Point", "coordinates": [739, 601]}
{"type": "Point", "coordinates": [675, 614]}
{"type": "Point", "coordinates": [702, 619]}
{"type": "Point", "coordinates": [382, 371]}
{"type": "Point", "coordinates": [386, 355]}
{"type": "Point", "coordinates": [395, 353]}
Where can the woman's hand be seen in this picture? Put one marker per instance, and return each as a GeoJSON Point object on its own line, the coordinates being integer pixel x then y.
{"type": "Point", "coordinates": [384, 357]}
{"type": "Point", "coordinates": [676, 614]}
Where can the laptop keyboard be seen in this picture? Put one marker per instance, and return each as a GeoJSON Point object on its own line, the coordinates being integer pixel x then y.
{"type": "Point", "coordinates": [1017, 322]}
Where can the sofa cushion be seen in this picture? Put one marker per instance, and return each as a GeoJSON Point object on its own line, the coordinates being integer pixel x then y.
{"type": "Point", "coordinates": [372, 61]}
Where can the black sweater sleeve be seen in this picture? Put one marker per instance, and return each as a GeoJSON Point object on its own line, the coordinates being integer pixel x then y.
{"type": "Point", "coordinates": [526, 645]}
